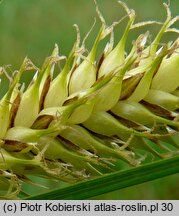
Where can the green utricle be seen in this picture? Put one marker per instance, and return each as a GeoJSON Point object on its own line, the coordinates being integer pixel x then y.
{"type": "Point", "coordinates": [97, 115]}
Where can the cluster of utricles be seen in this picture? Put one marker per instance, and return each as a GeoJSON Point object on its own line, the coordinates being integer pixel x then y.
{"type": "Point", "coordinates": [95, 116]}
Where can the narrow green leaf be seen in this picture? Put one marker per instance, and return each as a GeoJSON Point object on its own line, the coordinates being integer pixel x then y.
{"type": "Point", "coordinates": [114, 181]}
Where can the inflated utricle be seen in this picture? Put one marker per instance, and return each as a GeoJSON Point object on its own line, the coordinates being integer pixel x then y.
{"type": "Point", "coordinates": [91, 118]}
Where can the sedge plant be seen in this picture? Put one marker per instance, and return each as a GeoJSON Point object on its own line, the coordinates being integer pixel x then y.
{"type": "Point", "coordinates": [97, 115]}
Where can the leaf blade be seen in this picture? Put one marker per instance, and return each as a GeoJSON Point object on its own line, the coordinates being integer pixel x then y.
{"type": "Point", "coordinates": [114, 181]}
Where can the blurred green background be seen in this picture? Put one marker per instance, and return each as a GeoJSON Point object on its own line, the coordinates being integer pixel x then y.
{"type": "Point", "coordinates": [32, 27]}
